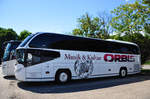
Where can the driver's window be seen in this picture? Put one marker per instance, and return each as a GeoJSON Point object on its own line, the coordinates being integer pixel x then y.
{"type": "Point", "coordinates": [33, 58]}
{"type": "Point", "coordinates": [29, 59]}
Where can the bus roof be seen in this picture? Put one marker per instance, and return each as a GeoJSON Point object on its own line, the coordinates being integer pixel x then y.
{"type": "Point", "coordinates": [119, 41]}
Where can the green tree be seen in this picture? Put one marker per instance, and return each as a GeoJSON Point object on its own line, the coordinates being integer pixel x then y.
{"type": "Point", "coordinates": [88, 26]}
{"type": "Point", "coordinates": [130, 18]}
{"type": "Point", "coordinates": [129, 21]}
{"type": "Point", "coordinates": [147, 28]}
{"type": "Point", "coordinates": [144, 45]}
{"type": "Point", "coordinates": [147, 25]}
{"type": "Point", "coordinates": [6, 35]}
{"type": "Point", "coordinates": [146, 2]}
{"type": "Point", "coordinates": [24, 34]}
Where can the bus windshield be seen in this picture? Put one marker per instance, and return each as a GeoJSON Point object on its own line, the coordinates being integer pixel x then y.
{"type": "Point", "coordinates": [26, 40]}
{"type": "Point", "coordinates": [10, 49]}
{"type": "Point", "coordinates": [7, 52]}
{"type": "Point", "coordinates": [20, 56]}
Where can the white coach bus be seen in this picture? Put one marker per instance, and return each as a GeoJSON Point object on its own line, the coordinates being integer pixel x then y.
{"type": "Point", "coordinates": [9, 58]}
{"type": "Point", "coordinates": [50, 56]}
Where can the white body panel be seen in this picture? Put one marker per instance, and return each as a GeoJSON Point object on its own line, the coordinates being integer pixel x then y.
{"type": "Point", "coordinates": [8, 67]}
{"type": "Point", "coordinates": [72, 60]}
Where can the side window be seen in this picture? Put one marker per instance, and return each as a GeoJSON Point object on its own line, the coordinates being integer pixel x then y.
{"type": "Point", "coordinates": [80, 44]}
{"type": "Point", "coordinates": [103, 46]}
{"type": "Point", "coordinates": [43, 40]}
{"type": "Point", "coordinates": [68, 43]}
{"type": "Point", "coordinates": [135, 50]}
{"type": "Point", "coordinates": [113, 47]}
{"type": "Point", "coordinates": [125, 50]}
{"type": "Point", "coordinates": [33, 57]}
{"type": "Point", "coordinates": [40, 56]}
{"type": "Point", "coordinates": [62, 42]}
{"type": "Point", "coordinates": [39, 41]}
{"type": "Point", "coordinates": [49, 55]}
{"type": "Point", "coordinates": [83, 44]}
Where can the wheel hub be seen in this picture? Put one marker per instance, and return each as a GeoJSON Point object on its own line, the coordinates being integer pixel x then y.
{"type": "Point", "coordinates": [63, 77]}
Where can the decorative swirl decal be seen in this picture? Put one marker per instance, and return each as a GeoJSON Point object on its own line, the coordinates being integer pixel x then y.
{"type": "Point", "coordinates": [83, 68]}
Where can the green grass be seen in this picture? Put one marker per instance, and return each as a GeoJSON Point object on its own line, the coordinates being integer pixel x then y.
{"type": "Point", "coordinates": [147, 62]}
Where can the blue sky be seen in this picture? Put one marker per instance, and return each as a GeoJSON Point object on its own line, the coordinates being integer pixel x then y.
{"type": "Point", "coordinates": [58, 16]}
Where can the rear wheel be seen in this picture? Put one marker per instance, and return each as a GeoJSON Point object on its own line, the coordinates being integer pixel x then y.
{"type": "Point", "coordinates": [123, 72]}
{"type": "Point", "coordinates": [62, 76]}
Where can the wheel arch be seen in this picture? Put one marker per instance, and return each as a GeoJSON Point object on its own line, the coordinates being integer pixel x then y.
{"type": "Point", "coordinates": [63, 69]}
{"type": "Point", "coordinates": [123, 67]}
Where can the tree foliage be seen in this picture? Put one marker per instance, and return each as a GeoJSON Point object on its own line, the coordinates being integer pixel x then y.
{"type": "Point", "coordinates": [147, 24]}
{"type": "Point", "coordinates": [130, 21]}
{"type": "Point", "coordinates": [147, 29]}
{"type": "Point", "coordinates": [146, 2]}
{"type": "Point", "coordinates": [130, 18]}
{"type": "Point", "coordinates": [24, 34]}
{"type": "Point", "coordinates": [95, 27]}
{"type": "Point", "coordinates": [6, 35]}
{"type": "Point", "coordinates": [10, 34]}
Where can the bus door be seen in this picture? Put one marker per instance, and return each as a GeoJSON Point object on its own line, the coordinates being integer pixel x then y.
{"type": "Point", "coordinates": [34, 67]}
{"type": "Point", "coordinates": [47, 59]}
{"type": "Point", "coordinates": [45, 70]}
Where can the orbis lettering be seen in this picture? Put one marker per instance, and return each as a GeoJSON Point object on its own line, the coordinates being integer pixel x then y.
{"type": "Point", "coordinates": [118, 58]}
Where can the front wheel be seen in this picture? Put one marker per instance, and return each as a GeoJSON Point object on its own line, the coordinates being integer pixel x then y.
{"type": "Point", "coordinates": [62, 76]}
{"type": "Point", "coordinates": [123, 72]}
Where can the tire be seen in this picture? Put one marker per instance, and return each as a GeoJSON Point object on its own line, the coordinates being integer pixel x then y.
{"type": "Point", "coordinates": [123, 72]}
{"type": "Point", "coordinates": [63, 76]}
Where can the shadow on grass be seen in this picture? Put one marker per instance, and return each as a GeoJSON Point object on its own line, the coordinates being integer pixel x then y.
{"type": "Point", "coordinates": [83, 85]}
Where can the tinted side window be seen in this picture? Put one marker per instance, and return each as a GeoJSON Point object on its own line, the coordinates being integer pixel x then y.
{"type": "Point", "coordinates": [40, 41]}
{"type": "Point", "coordinates": [94, 45]}
{"type": "Point", "coordinates": [71, 43]}
{"type": "Point", "coordinates": [62, 42]}
{"type": "Point", "coordinates": [48, 55]}
{"type": "Point", "coordinates": [56, 41]}
{"type": "Point", "coordinates": [112, 47]}
{"type": "Point", "coordinates": [26, 40]}
{"type": "Point", "coordinates": [80, 44]}
{"type": "Point", "coordinates": [40, 56]}
{"type": "Point", "coordinates": [135, 49]}
{"type": "Point", "coordinates": [44, 40]}
{"type": "Point", "coordinates": [124, 48]}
